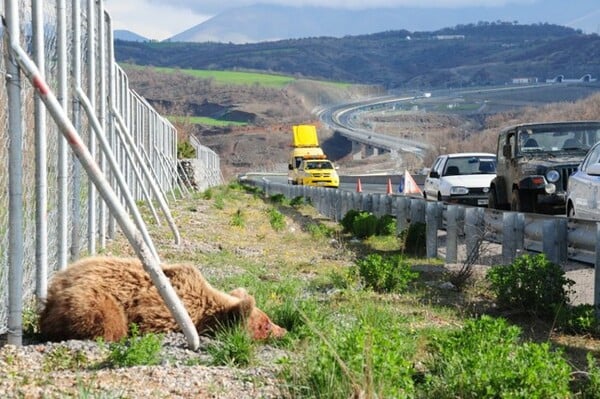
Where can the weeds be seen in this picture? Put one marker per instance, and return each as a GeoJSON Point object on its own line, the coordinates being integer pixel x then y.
{"type": "Point", "coordinates": [238, 219]}
{"type": "Point", "coordinates": [232, 347]}
{"type": "Point", "coordinates": [64, 358]}
{"type": "Point", "coordinates": [384, 274]}
{"type": "Point", "coordinates": [276, 219]}
{"type": "Point", "coordinates": [135, 350]}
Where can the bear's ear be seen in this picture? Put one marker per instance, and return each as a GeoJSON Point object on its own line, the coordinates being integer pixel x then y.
{"type": "Point", "coordinates": [246, 305]}
{"type": "Point", "coordinates": [239, 293]}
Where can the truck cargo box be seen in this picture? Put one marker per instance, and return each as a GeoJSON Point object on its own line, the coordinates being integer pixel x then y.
{"type": "Point", "coordinates": [305, 136]}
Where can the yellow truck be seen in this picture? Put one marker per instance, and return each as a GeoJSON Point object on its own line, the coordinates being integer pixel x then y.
{"type": "Point", "coordinates": [308, 165]}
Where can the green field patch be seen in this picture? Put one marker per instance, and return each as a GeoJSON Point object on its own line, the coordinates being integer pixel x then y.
{"type": "Point", "coordinates": [235, 77]}
{"type": "Point", "coordinates": [204, 120]}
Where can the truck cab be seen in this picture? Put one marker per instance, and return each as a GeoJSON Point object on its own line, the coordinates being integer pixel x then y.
{"type": "Point", "coordinates": [314, 171]}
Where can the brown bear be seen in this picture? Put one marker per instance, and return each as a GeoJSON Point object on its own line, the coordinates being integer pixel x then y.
{"type": "Point", "coordinates": [101, 297]}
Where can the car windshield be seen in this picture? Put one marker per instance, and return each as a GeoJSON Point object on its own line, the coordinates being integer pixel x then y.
{"type": "Point", "coordinates": [471, 165]}
{"type": "Point", "coordinates": [575, 139]}
{"type": "Point", "coordinates": [319, 165]}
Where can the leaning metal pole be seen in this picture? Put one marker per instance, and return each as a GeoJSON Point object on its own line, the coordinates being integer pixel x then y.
{"type": "Point", "coordinates": [150, 262]}
{"type": "Point", "coordinates": [15, 166]}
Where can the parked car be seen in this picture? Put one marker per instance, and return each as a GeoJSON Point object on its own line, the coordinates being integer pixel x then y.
{"type": "Point", "coordinates": [535, 161]}
{"type": "Point", "coordinates": [583, 189]}
{"type": "Point", "coordinates": [461, 178]}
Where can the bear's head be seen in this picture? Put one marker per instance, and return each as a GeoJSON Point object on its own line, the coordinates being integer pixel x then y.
{"type": "Point", "coordinates": [259, 325]}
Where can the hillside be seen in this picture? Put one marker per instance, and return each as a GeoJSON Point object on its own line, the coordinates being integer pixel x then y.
{"type": "Point", "coordinates": [482, 54]}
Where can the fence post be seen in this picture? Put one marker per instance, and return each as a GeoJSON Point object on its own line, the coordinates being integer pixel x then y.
{"type": "Point", "coordinates": [554, 240]}
{"type": "Point", "coordinates": [41, 158]}
{"type": "Point", "coordinates": [473, 231]}
{"type": "Point", "coordinates": [15, 165]}
{"type": "Point", "coordinates": [401, 213]}
{"type": "Point", "coordinates": [452, 234]}
{"type": "Point", "coordinates": [509, 239]}
{"type": "Point", "coordinates": [431, 228]}
{"type": "Point", "coordinates": [596, 274]}
{"type": "Point", "coordinates": [417, 210]}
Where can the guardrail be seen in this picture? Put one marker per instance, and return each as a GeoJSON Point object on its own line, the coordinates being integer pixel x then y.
{"type": "Point", "coordinates": [561, 239]}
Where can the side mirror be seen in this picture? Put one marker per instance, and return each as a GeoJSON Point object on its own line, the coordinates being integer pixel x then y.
{"type": "Point", "coordinates": [434, 174]}
{"type": "Point", "coordinates": [507, 151]}
{"type": "Point", "coordinates": [593, 169]}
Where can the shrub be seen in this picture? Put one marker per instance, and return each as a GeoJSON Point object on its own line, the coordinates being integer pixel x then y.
{"type": "Point", "coordinates": [580, 319]}
{"type": "Point", "coordinates": [364, 225]}
{"type": "Point", "coordinates": [486, 360]}
{"type": "Point", "coordinates": [136, 350]}
{"type": "Point", "coordinates": [532, 283]}
{"type": "Point", "coordinates": [278, 199]}
{"type": "Point", "coordinates": [297, 201]}
{"type": "Point", "coordinates": [414, 240]}
{"type": "Point", "coordinates": [185, 150]}
{"type": "Point", "coordinates": [318, 230]}
{"type": "Point", "coordinates": [348, 220]}
{"type": "Point", "coordinates": [386, 225]}
{"type": "Point", "coordinates": [385, 274]}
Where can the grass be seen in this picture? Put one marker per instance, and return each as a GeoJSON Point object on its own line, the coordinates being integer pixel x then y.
{"type": "Point", "coordinates": [204, 120]}
{"type": "Point", "coordinates": [235, 77]}
{"type": "Point", "coordinates": [344, 340]}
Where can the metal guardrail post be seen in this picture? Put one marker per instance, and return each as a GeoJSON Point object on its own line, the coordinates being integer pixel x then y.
{"type": "Point", "coordinates": [596, 274]}
{"type": "Point", "coordinates": [474, 231]}
{"type": "Point", "coordinates": [509, 242]}
{"type": "Point", "coordinates": [431, 228]}
{"type": "Point", "coordinates": [554, 240]}
{"type": "Point", "coordinates": [417, 210]}
{"type": "Point", "coordinates": [402, 204]}
{"type": "Point", "coordinates": [452, 234]}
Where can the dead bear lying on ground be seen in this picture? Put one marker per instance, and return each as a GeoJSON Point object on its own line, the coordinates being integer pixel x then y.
{"type": "Point", "coordinates": [101, 297]}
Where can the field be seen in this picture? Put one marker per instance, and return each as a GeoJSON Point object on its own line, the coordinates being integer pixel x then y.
{"type": "Point", "coordinates": [365, 318]}
{"type": "Point", "coordinates": [204, 120]}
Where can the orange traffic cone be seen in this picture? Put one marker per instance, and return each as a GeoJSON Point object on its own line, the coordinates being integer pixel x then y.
{"type": "Point", "coordinates": [389, 186]}
{"type": "Point", "coordinates": [358, 186]}
{"type": "Point", "coordinates": [410, 185]}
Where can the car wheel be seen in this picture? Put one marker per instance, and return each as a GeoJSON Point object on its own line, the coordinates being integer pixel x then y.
{"type": "Point", "coordinates": [522, 201]}
{"type": "Point", "coordinates": [440, 197]}
{"type": "Point", "coordinates": [570, 211]}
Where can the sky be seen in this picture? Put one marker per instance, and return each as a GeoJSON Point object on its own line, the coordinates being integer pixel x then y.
{"type": "Point", "coordinates": [161, 19]}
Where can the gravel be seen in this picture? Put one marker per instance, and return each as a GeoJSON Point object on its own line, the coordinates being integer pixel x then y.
{"type": "Point", "coordinates": [46, 370]}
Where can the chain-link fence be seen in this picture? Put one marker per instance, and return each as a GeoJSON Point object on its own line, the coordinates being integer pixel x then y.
{"type": "Point", "coordinates": [69, 123]}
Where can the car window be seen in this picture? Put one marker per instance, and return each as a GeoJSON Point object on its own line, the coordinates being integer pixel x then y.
{"type": "Point", "coordinates": [471, 165]}
{"type": "Point", "coordinates": [592, 158]}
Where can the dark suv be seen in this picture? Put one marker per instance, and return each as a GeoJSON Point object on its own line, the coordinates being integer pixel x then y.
{"type": "Point", "coordinates": [535, 161]}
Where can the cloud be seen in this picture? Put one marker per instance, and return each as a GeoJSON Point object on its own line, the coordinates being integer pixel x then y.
{"type": "Point", "coordinates": [157, 20]}
{"type": "Point", "coordinates": [216, 6]}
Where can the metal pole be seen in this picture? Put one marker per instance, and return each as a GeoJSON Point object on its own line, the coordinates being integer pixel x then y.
{"type": "Point", "coordinates": [76, 172]}
{"type": "Point", "coordinates": [452, 234]}
{"type": "Point", "coordinates": [150, 262]}
{"type": "Point", "coordinates": [102, 109]}
{"type": "Point", "coordinates": [596, 274]}
{"type": "Point", "coordinates": [121, 181]}
{"type": "Point", "coordinates": [62, 163]}
{"type": "Point", "coordinates": [91, 51]}
{"type": "Point", "coordinates": [15, 189]}
{"type": "Point", "coordinates": [153, 185]}
{"type": "Point", "coordinates": [431, 228]}
{"type": "Point", "coordinates": [111, 97]}
{"type": "Point", "coordinates": [41, 166]}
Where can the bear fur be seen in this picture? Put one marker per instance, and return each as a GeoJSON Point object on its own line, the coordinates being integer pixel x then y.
{"type": "Point", "coordinates": [101, 297]}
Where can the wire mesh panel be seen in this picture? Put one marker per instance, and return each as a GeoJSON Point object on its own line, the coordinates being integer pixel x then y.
{"type": "Point", "coordinates": [78, 67]}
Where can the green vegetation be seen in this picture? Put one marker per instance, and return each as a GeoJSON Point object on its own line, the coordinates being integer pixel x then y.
{"type": "Point", "coordinates": [64, 358]}
{"type": "Point", "coordinates": [235, 77]}
{"type": "Point", "coordinates": [204, 120]}
{"type": "Point", "coordinates": [135, 350]}
{"type": "Point", "coordinates": [385, 274]}
{"type": "Point", "coordinates": [531, 283]}
{"type": "Point", "coordinates": [232, 347]}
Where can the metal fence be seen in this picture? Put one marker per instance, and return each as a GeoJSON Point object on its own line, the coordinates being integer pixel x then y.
{"type": "Point", "coordinates": [78, 148]}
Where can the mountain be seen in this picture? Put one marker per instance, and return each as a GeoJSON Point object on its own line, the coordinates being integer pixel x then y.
{"type": "Point", "coordinates": [128, 36]}
{"type": "Point", "coordinates": [259, 23]}
{"type": "Point", "coordinates": [466, 55]}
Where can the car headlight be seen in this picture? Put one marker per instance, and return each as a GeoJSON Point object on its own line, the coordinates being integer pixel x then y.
{"type": "Point", "coordinates": [459, 190]}
{"type": "Point", "coordinates": [552, 176]}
